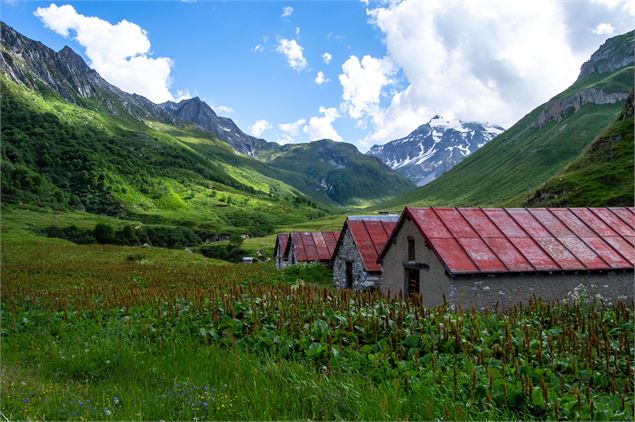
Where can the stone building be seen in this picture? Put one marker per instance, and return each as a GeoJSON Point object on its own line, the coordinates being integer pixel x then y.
{"type": "Point", "coordinates": [483, 257]}
{"type": "Point", "coordinates": [310, 247]}
{"type": "Point", "coordinates": [355, 264]}
{"type": "Point", "coordinates": [278, 250]}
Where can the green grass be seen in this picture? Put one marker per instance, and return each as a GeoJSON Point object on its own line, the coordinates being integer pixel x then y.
{"type": "Point", "coordinates": [601, 176]}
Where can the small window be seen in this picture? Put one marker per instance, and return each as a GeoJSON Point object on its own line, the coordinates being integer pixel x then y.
{"type": "Point", "coordinates": [349, 275]}
{"type": "Point", "coordinates": [411, 249]}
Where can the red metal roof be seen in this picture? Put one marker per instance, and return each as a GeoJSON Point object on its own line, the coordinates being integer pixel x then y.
{"type": "Point", "coordinates": [281, 243]}
{"type": "Point", "coordinates": [496, 240]}
{"type": "Point", "coordinates": [313, 246]}
{"type": "Point", "coordinates": [370, 235]}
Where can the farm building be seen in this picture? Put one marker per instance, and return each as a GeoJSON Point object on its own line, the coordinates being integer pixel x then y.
{"type": "Point", "coordinates": [483, 257]}
{"type": "Point", "coordinates": [310, 247]}
{"type": "Point", "coordinates": [278, 250]}
{"type": "Point", "coordinates": [355, 263]}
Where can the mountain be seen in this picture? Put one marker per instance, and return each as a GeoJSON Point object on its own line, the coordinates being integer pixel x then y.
{"type": "Point", "coordinates": [544, 142]}
{"type": "Point", "coordinates": [340, 171]}
{"type": "Point", "coordinates": [71, 140]}
{"type": "Point", "coordinates": [434, 148]}
{"type": "Point", "coordinates": [195, 111]}
{"type": "Point", "coordinates": [601, 176]}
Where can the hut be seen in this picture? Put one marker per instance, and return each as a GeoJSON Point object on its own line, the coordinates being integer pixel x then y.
{"type": "Point", "coordinates": [355, 264]}
{"type": "Point", "coordinates": [310, 247]}
{"type": "Point", "coordinates": [503, 256]}
{"type": "Point", "coordinates": [278, 250]}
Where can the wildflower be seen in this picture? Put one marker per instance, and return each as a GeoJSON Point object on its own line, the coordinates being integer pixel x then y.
{"type": "Point", "coordinates": [80, 403]}
{"type": "Point", "coordinates": [116, 400]}
{"type": "Point", "coordinates": [107, 412]}
{"type": "Point", "coordinates": [205, 403]}
{"type": "Point", "coordinates": [25, 400]}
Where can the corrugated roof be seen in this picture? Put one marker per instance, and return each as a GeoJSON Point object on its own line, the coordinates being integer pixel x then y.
{"type": "Point", "coordinates": [495, 240]}
{"type": "Point", "coordinates": [281, 243]}
{"type": "Point", "coordinates": [370, 234]}
{"type": "Point", "coordinates": [313, 246]}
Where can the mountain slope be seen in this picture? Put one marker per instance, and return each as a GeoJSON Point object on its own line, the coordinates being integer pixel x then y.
{"type": "Point", "coordinates": [601, 176]}
{"type": "Point", "coordinates": [62, 81]}
{"type": "Point", "coordinates": [340, 171]}
{"type": "Point", "coordinates": [434, 148]}
{"type": "Point", "coordinates": [543, 142]}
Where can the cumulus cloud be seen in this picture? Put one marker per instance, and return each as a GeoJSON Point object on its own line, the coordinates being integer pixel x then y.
{"type": "Point", "coordinates": [475, 61]}
{"type": "Point", "coordinates": [321, 127]}
{"type": "Point", "coordinates": [286, 12]}
{"type": "Point", "coordinates": [604, 29]}
{"type": "Point", "coordinates": [259, 127]}
{"type": "Point", "coordinates": [293, 128]}
{"type": "Point", "coordinates": [293, 52]}
{"type": "Point", "coordinates": [327, 57]}
{"type": "Point", "coordinates": [320, 78]}
{"type": "Point", "coordinates": [362, 83]}
{"type": "Point", "coordinates": [120, 52]}
{"type": "Point", "coordinates": [258, 48]}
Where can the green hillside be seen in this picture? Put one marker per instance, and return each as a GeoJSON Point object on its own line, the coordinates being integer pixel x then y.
{"type": "Point", "coordinates": [602, 175]}
{"type": "Point", "coordinates": [65, 157]}
{"type": "Point", "coordinates": [541, 144]}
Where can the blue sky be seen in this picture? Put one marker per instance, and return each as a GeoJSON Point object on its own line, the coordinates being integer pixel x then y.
{"type": "Point", "coordinates": [392, 66]}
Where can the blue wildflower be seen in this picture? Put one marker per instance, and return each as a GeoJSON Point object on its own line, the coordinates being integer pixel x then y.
{"type": "Point", "coordinates": [116, 400]}
{"type": "Point", "coordinates": [80, 403]}
{"type": "Point", "coordinates": [205, 403]}
{"type": "Point", "coordinates": [25, 400]}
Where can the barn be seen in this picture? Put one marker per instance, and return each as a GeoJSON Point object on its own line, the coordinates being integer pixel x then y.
{"type": "Point", "coordinates": [355, 263]}
{"type": "Point", "coordinates": [278, 250]}
{"type": "Point", "coordinates": [310, 247]}
{"type": "Point", "coordinates": [484, 257]}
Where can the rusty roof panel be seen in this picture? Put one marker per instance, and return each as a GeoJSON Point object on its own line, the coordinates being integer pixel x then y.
{"type": "Point", "coordinates": [594, 222]}
{"type": "Point", "coordinates": [434, 226]}
{"type": "Point", "coordinates": [551, 222]}
{"type": "Point", "coordinates": [370, 236]}
{"type": "Point", "coordinates": [528, 222]}
{"type": "Point", "coordinates": [535, 254]}
{"type": "Point", "coordinates": [626, 215]}
{"type": "Point", "coordinates": [614, 221]}
{"type": "Point", "coordinates": [453, 255]}
{"type": "Point", "coordinates": [623, 247]}
{"type": "Point", "coordinates": [313, 246]}
{"type": "Point", "coordinates": [559, 253]}
{"type": "Point", "coordinates": [508, 254]}
{"type": "Point", "coordinates": [584, 253]}
{"type": "Point", "coordinates": [454, 221]}
{"type": "Point", "coordinates": [569, 219]}
{"type": "Point", "coordinates": [505, 223]}
{"type": "Point", "coordinates": [613, 258]}
{"type": "Point", "coordinates": [320, 245]}
{"type": "Point", "coordinates": [477, 218]}
{"type": "Point", "coordinates": [484, 258]}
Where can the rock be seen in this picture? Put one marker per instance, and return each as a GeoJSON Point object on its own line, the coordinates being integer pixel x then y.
{"type": "Point", "coordinates": [187, 250]}
{"type": "Point", "coordinates": [145, 245]}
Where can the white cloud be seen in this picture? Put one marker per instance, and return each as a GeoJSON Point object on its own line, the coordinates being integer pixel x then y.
{"type": "Point", "coordinates": [322, 127]}
{"type": "Point", "coordinates": [182, 95]}
{"type": "Point", "coordinates": [362, 83]}
{"type": "Point", "coordinates": [320, 78]}
{"type": "Point", "coordinates": [286, 12]}
{"type": "Point", "coordinates": [604, 29]}
{"type": "Point", "coordinates": [293, 128]}
{"type": "Point", "coordinates": [119, 52]}
{"type": "Point", "coordinates": [221, 109]}
{"type": "Point", "coordinates": [258, 128]}
{"type": "Point", "coordinates": [297, 31]}
{"type": "Point", "coordinates": [258, 48]}
{"type": "Point", "coordinates": [327, 57]}
{"type": "Point", "coordinates": [293, 52]}
{"type": "Point", "coordinates": [474, 60]}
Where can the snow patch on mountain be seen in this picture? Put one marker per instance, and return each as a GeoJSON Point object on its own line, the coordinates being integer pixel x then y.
{"type": "Point", "coordinates": [434, 147]}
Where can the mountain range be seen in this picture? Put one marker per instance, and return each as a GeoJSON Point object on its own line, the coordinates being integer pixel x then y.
{"type": "Point", "coordinates": [434, 148]}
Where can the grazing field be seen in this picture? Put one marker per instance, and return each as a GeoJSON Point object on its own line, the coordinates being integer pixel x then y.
{"type": "Point", "coordinates": [109, 332]}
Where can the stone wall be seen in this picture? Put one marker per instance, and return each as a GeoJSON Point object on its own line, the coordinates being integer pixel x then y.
{"type": "Point", "coordinates": [348, 252]}
{"type": "Point", "coordinates": [280, 261]}
{"type": "Point", "coordinates": [487, 291]}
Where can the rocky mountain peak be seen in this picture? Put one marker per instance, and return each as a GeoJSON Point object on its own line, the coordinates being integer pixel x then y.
{"type": "Point", "coordinates": [616, 52]}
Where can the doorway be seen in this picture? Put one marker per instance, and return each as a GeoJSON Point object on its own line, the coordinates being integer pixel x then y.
{"type": "Point", "coordinates": [413, 283]}
{"type": "Point", "coordinates": [349, 275]}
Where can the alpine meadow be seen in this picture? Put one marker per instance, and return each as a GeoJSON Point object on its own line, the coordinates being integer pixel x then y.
{"type": "Point", "coordinates": [403, 210]}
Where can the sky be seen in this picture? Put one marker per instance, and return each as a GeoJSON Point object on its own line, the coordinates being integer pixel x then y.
{"type": "Point", "coordinates": [362, 72]}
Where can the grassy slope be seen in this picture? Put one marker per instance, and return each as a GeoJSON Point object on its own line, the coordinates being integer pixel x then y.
{"type": "Point", "coordinates": [154, 172]}
{"type": "Point", "coordinates": [601, 176]}
{"type": "Point", "coordinates": [524, 156]}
